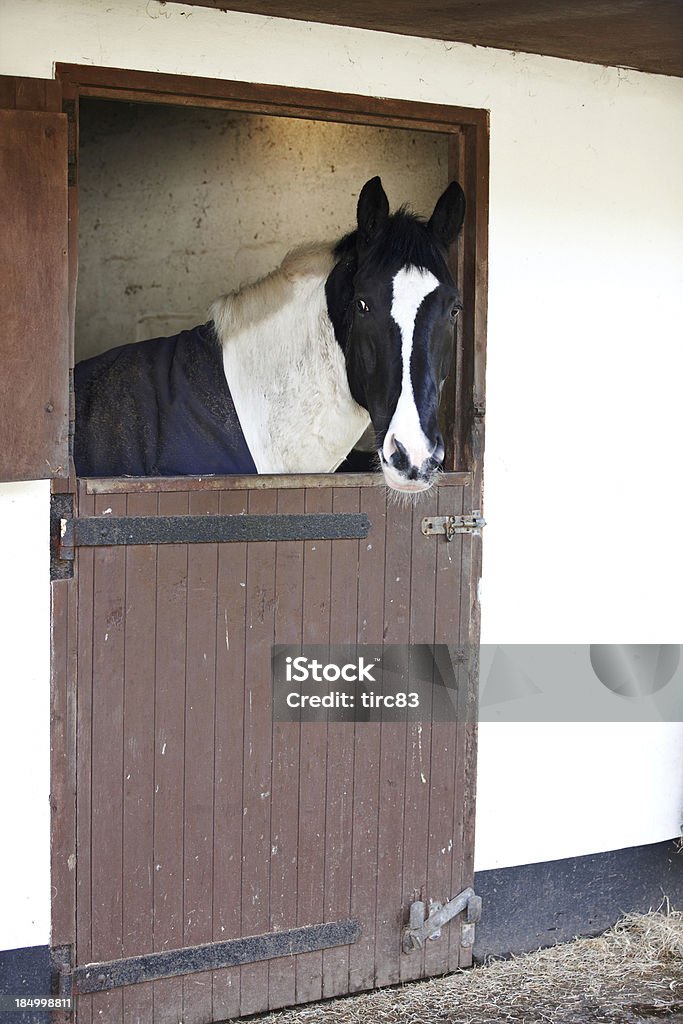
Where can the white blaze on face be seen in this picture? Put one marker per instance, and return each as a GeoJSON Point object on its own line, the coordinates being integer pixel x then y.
{"type": "Point", "coordinates": [411, 287]}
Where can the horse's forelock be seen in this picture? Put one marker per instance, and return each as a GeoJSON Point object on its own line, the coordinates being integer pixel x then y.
{"type": "Point", "coordinates": [404, 241]}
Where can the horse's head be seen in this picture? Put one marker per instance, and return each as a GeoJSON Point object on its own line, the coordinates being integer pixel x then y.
{"type": "Point", "coordinates": [393, 303]}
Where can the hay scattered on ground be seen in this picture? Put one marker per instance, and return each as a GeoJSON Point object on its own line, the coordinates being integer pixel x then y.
{"type": "Point", "coordinates": [630, 975]}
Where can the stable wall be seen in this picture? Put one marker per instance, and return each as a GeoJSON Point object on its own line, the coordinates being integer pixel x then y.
{"type": "Point", "coordinates": [583, 496]}
{"type": "Point", "coordinates": [25, 718]}
{"type": "Point", "coordinates": [179, 205]}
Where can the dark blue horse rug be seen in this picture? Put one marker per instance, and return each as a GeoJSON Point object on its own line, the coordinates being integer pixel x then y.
{"type": "Point", "coordinates": [158, 408]}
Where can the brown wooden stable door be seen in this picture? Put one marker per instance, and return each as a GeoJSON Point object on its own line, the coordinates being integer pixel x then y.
{"type": "Point", "coordinates": [199, 821]}
{"type": "Point", "coordinates": [208, 862]}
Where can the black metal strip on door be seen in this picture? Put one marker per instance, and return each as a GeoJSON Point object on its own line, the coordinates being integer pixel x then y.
{"type": "Point", "coordinates": [98, 977]}
{"type": "Point", "coordinates": [109, 531]}
{"type": "Point", "coordinates": [69, 533]}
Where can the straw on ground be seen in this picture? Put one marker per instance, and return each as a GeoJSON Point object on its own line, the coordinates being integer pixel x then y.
{"type": "Point", "coordinates": [630, 975]}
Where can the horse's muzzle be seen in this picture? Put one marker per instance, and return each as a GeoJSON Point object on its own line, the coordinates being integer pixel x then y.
{"type": "Point", "coordinates": [401, 473]}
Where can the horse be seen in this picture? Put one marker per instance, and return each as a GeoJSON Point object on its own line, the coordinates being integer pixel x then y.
{"type": "Point", "coordinates": [343, 345]}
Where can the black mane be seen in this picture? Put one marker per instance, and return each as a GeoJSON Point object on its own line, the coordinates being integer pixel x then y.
{"type": "Point", "coordinates": [405, 240]}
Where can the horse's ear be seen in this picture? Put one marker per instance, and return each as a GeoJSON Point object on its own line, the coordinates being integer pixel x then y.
{"type": "Point", "coordinates": [373, 210]}
{"type": "Point", "coordinates": [449, 213]}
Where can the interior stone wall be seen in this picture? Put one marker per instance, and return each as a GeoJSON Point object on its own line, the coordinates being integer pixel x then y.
{"type": "Point", "coordinates": [178, 205]}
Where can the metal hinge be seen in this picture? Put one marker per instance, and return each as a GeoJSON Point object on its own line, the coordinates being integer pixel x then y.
{"type": "Point", "coordinates": [68, 533]}
{"type": "Point", "coordinates": [422, 927]}
{"type": "Point", "coordinates": [113, 531]}
{"type": "Point", "coordinates": [61, 958]}
{"type": "Point", "coordinates": [213, 956]}
{"type": "Point", "coordinates": [61, 556]}
{"type": "Point", "coordinates": [450, 525]}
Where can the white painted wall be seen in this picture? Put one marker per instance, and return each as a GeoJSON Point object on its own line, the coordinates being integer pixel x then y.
{"type": "Point", "coordinates": [25, 717]}
{"type": "Point", "coordinates": [584, 420]}
{"type": "Point", "coordinates": [563, 789]}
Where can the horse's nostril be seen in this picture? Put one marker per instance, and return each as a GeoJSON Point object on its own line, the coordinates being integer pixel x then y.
{"type": "Point", "coordinates": [400, 459]}
{"type": "Point", "coordinates": [389, 446]}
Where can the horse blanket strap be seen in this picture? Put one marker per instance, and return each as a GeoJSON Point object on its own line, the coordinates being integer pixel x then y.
{"type": "Point", "coordinates": [158, 408]}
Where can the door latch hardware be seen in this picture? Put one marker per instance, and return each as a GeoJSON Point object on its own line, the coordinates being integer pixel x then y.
{"type": "Point", "coordinates": [422, 927]}
{"type": "Point", "coordinates": [450, 525]}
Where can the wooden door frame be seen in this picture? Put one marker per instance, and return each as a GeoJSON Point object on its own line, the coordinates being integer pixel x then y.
{"type": "Point", "coordinates": [468, 161]}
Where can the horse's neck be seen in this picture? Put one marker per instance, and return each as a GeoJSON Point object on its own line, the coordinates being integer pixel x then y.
{"type": "Point", "coordinates": [286, 370]}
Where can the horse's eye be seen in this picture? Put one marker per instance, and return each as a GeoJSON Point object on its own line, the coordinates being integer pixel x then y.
{"type": "Point", "coordinates": [362, 306]}
{"type": "Point", "coordinates": [454, 313]}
